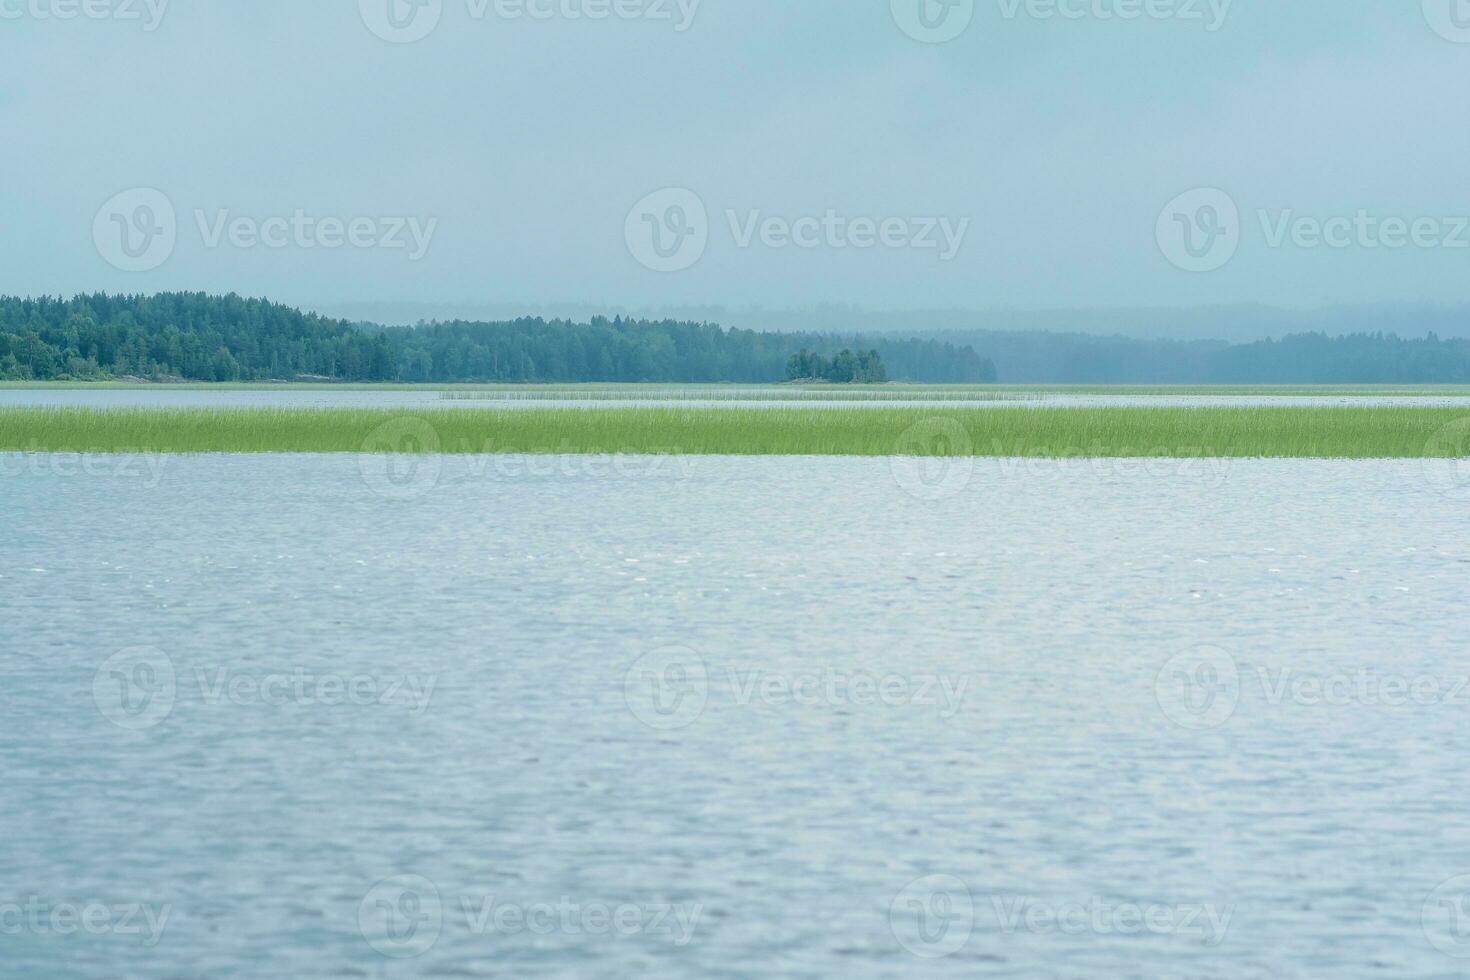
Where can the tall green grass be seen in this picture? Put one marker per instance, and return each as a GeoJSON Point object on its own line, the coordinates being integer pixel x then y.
{"type": "Point", "coordinates": [1358, 432]}
{"type": "Point", "coordinates": [815, 393]}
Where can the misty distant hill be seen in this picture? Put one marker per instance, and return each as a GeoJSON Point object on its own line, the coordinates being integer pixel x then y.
{"type": "Point", "coordinates": [1234, 324]}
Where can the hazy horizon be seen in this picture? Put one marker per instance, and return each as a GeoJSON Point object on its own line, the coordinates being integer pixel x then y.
{"type": "Point", "coordinates": [1041, 158]}
{"type": "Point", "coordinates": [1237, 323]}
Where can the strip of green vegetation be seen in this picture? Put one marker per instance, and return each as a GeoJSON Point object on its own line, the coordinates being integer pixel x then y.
{"type": "Point", "coordinates": [1054, 432]}
{"type": "Point", "coordinates": [821, 393]}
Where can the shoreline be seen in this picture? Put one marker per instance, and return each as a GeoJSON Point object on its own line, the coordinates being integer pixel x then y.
{"type": "Point", "coordinates": [807, 391]}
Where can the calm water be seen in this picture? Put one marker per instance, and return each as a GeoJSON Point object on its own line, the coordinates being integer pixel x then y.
{"type": "Point", "coordinates": [144, 397]}
{"type": "Point", "coordinates": [308, 716]}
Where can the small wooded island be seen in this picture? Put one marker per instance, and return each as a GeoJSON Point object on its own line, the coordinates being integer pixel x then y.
{"type": "Point", "coordinates": [865, 367]}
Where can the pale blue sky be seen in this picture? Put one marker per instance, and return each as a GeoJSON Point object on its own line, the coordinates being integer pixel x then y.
{"type": "Point", "coordinates": [526, 142]}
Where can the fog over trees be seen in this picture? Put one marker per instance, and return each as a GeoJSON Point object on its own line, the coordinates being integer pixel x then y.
{"type": "Point", "coordinates": [202, 337]}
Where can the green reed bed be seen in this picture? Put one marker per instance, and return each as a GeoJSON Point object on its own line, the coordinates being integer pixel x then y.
{"type": "Point", "coordinates": [718, 394]}
{"type": "Point", "coordinates": [1016, 431]}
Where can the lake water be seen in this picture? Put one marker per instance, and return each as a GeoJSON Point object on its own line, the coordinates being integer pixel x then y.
{"type": "Point", "coordinates": [287, 716]}
{"type": "Point", "coordinates": [145, 397]}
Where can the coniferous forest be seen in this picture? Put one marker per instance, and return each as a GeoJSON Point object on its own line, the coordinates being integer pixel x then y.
{"type": "Point", "coordinates": [202, 337]}
{"type": "Point", "coordinates": [199, 337]}
{"type": "Point", "coordinates": [864, 367]}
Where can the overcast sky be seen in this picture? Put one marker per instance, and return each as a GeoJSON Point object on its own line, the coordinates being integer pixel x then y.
{"type": "Point", "coordinates": [782, 153]}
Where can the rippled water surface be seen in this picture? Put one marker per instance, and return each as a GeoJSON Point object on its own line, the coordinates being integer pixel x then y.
{"type": "Point", "coordinates": [306, 716]}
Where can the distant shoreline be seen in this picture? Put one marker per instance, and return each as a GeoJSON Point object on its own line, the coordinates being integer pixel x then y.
{"type": "Point", "coordinates": [816, 390]}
